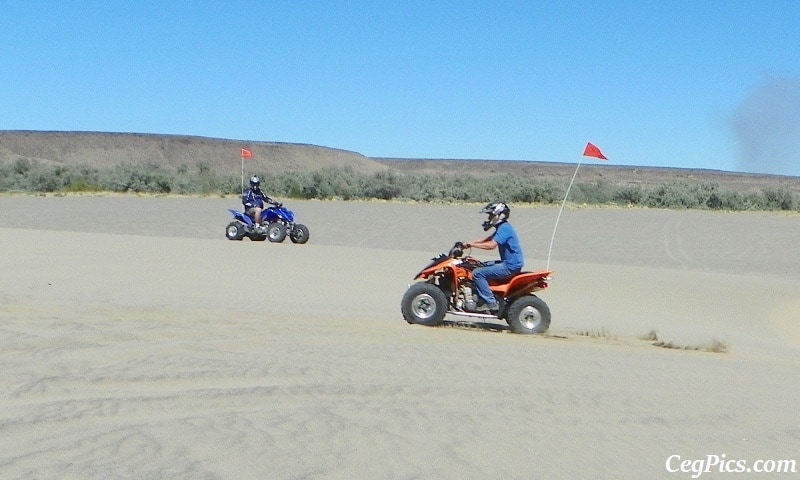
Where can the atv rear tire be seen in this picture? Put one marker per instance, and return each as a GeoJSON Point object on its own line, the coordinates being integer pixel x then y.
{"type": "Point", "coordinates": [529, 314]}
{"type": "Point", "coordinates": [276, 232]}
{"type": "Point", "coordinates": [299, 233]}
{"type": "Point", "coordinates": [424, 304]}
{"type": "Point", "coordinates": [234, 231]}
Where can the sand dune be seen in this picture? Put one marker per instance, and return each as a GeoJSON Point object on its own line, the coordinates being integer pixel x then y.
{"type": "Point", "coordinates": [137, 344]}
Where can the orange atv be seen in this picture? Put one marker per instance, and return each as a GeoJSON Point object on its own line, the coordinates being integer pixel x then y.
{"type": "Point", "coordinates": [446, 286]}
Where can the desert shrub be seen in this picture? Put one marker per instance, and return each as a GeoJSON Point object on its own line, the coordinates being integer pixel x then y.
{"type": "Point", "coordinates": [81, 184]}
{"type": "Point", "coordinates": [333, 182]}
{"type": "Point", "coordinates": [228, 185]}
{"type": "Point", "coordinates": [11, 178]}
{"type": "Point", "coordinates": [183, 183]}
{"type": "Point", "coordinates": [716, 201]}
{"type": "Point", "coordinates": [749, 201]}
{"type": "Point", "coordinates": [778, 199]}
{"type": "Point", "coordinates": [345, 183]}
{"type": "Point", "coordinates": [139, 179]}
{"type": "Point", "coordinates": [385, 185]}
{"type": "Point", "coordinates": [676, 194]}
{"type": "Point", "coordinates": [529, 191]}
{"type": "Point", "coordinates": [40, 180]}
{"type": "Point", "coordinates": [76, 179]}
{"type": "Point", "coordinates": [455, 188]}
{"type": "Point", "coordinates": [32, 176]}
{"type": "Point", "coordinates": [734, 201]}
{"type": "Point", "coordinates": [633, 195]}
{"type": "Point", "coordinates": [22, 166]}
{"type": "Point", "coordinates": [290, 185]}
{"type": "Point", "coordinates": [712, 197]}
{"type": "Point", "coordinates": [463, 188]}
{"type": "Point", "coordinates": [203, 181]}
{"type": "Point", "coordinates": [423, 188]}
{"type": "Point", "coordinates": [596, 193]}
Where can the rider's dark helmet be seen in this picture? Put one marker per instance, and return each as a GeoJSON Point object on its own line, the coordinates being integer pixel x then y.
{"type": "Point", "coordinates": [254, 181]}
{"type": "Point", "coordinates": [498, 213]}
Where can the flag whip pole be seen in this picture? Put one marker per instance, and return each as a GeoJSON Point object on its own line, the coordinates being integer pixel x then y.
{"type": "Point", "coordinates": [553, 237]}
{"type": "Point", "coordinates": [589, 151]}
{"type": "Point", "coordinates": [245, 154]}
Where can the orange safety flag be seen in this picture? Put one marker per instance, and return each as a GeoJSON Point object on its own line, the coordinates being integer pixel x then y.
{"type": "Point", "coordinates": [592, 151]}
{"type": "Point", "coordinates": [246, 153]}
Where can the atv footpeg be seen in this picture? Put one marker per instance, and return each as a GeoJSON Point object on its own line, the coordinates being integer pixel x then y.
{"type": "Point", "coordinates": [462, 313]}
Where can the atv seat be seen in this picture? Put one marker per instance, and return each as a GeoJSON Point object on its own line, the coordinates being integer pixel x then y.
{"type": "Point", "coordinates": [521, 281]}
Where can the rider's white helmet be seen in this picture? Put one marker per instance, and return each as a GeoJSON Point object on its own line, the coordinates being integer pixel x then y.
{"type": "Point", "coordinates": [498, 213]}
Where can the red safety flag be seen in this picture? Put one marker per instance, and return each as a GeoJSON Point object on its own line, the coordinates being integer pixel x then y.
{"type": "Point", "coordinates": [246, 153]}
{"type": "Point", "coordinates": [592, 151]}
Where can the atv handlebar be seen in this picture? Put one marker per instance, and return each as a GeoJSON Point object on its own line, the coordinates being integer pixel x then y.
{"type": "Point", "coordinates": [458, 250]}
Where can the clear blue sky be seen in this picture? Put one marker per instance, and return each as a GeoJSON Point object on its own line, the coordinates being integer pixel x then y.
{"type": "Point", "coordinates": [681, 83]}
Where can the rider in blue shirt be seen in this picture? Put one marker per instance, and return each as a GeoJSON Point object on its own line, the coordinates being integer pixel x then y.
{"type": "Point", "coordinates": [254, 199]}
{"type": "Point", "coordinates": [505, 240]}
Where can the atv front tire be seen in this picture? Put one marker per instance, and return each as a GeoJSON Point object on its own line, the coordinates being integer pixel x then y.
{"type": "Point", "coordinates": [529, 314]}
{"type": "Point", "coordinates": [424, 304]}
{"type": "Point", "coordinates": [299, 233]}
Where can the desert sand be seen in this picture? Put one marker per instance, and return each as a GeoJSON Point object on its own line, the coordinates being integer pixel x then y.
{"type": "Point", "coordinates": [138, 343]}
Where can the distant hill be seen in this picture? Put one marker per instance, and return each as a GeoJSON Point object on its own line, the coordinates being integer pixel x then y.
{"type": "Point", "coordinates": [99, 149]}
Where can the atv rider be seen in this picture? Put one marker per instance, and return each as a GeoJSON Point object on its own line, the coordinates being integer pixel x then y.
{"type": "Point", "coordinates": [254, 199]}
{"type": "Point", "coordinates": [511, 258]}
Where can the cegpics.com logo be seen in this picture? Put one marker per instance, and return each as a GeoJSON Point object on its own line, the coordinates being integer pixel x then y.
{"type": "Point", "coordinates": [723, 464]}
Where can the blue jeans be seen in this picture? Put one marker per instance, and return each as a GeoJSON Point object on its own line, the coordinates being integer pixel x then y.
{"type": "Point", "coordinates": [482, 275]}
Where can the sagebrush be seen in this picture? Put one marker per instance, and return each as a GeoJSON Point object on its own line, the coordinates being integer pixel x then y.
{"type": "Point", "coordinates": [347, 184]}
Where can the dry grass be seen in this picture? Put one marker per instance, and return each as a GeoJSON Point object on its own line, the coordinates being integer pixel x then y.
{"type": "Point", "coordinates": [601, 333]}
{"type": "Point", "coordinates": [651, 336]}
{"type": "Point", "coordinates": [715, 346]}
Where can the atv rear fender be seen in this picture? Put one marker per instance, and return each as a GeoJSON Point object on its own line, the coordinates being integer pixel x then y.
{"type": "Point", "coordinates": [522, 284]}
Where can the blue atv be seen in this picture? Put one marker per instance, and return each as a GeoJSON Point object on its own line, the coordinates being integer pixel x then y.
{"type": "Point", "coordinates": [279, 223]}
